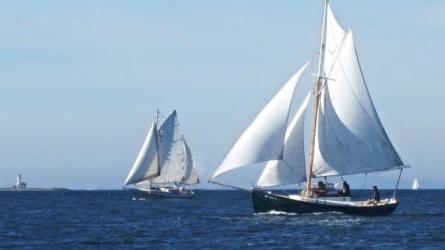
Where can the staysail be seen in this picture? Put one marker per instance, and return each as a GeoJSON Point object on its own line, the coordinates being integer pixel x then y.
{"type": "Point", "coordinates": [292, 168]}
{"type": "Point", "coordinates": [350, 138]}
{"type": "Point", "coordinates": [263, 140]}
{"type": "Point", "coordinates": [146, 165]}
{"type": "Point", "coordinates": [191, 175]}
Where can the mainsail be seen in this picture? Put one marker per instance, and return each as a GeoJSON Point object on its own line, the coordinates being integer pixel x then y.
{"type": "Point", "coordinates": [176, 161]}
{"type": "Point", "coordinates": [146, 165]}
{"type": "Point", "coordinates": [292, 168]}
{"type": "Point", "coordinates": [350, 138]}
{"type": "Point", "coordinates": [263, 140]}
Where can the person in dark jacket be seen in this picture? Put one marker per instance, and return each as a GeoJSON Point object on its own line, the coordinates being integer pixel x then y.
{"type": "Point", "coordinates": [375, 194]}
{"type": "Point", "coordinates": [345, 190]}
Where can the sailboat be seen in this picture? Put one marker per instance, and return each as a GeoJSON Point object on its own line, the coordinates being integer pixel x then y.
{"type": "Point", "coordinates": [346, 138]}
{"type": "Point", "coordinates": [416, 185]}
{"type": "Point", "coordinates": [164, 165]}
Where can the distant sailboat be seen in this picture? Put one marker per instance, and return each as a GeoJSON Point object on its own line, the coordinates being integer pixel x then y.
{"type": "Point", "coordinates": [416, 185]}
{"type": "Point", "coordinates": [347, 137]}
{"type": "Point", "coordinates": [164, 165]}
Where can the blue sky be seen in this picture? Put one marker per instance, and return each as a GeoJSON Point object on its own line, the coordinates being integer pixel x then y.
{"type": "Point", "coordinates": [80, 80]}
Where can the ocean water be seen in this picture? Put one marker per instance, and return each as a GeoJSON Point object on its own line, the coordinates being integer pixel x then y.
{"type": "Point", "coordinates": [211, 220]}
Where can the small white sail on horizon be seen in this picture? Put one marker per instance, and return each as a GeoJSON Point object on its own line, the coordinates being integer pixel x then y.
{"type": "Point", "coordinates": [416, 185]}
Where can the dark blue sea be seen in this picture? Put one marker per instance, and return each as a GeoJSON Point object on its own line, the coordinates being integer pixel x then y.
{"type": "Point", "coordinates": [211, 220]}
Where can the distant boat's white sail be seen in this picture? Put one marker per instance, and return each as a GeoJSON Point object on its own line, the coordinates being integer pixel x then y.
{"type": "Point", "coordinates": [146, 165]}
{"type": "Point", "coordinates": [292, 168]}
{"type": "Point", "coordinates": [171, 152]}
{"type": "Point", "coordinates": [191, 175]}
{"type": "Point", "coordinates": [350, 138]}
{"type": "Point", "coordinates": [416, 184]}
{"type": "Point", "coordinates": [263, 139]}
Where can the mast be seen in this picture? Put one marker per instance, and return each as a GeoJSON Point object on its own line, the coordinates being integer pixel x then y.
{"type": "Point", "coordinates": [317, 90]}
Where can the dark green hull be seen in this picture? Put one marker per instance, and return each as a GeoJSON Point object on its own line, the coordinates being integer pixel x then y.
{"type": "Point", "coordinates": [264, 202]}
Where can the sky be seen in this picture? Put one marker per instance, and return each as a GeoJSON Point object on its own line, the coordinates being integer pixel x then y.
{"type": "Point", "coordinates": [80, 81]}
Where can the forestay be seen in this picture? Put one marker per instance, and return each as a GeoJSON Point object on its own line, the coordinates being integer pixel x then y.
{"type": "Point", "coordinates": [292, 168]}
{"type": "Point", "coordinates": [146, 165]}
{"type": "Point", "coordinates": [263, 139]}
{"type": "Point", "coordinates": [350, 138]}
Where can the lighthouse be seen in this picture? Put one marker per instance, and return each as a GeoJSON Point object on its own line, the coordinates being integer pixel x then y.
{"type": "Point", "coordinates": [20, 184]}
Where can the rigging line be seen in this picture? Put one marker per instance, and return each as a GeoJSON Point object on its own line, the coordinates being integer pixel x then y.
{"type": "Point", "coordinates": [397, 184]}
{"type": "Point", "coordinates": [364, 180]}
{"type": "Point", "coordinates": [227, 185]}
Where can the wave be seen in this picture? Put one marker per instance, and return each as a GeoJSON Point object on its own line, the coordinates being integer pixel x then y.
{"type": "Point", "coordinates": [138, 199]}
{"type": "Point", "coordinates": [275, 212]}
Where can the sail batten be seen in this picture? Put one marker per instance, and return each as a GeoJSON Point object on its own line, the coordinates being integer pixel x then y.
{"type": "Point", "coordinates": [263, 140]}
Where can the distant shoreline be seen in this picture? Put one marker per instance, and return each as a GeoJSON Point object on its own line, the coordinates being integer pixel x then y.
{"type": "Point", "coordinates": [6, 189]}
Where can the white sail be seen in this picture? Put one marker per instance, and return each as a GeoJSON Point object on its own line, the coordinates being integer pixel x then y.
{"type": "Point", "coordinates": [334, 37]}
{"type": "Point", "coordinates": [292, 168]}
{"type": "Point", "coordinates": [171, 152]}
{"type": "Point", "coordinates": [146, 165]}
{"type": "Point", "coordinates": [263, 139]}
{"type": "Point", "coordinates": [350, 138]}
{"type": "Point", "coordinates": [191, 175]}
{"type": "Point", "coordinates": [416, 185]}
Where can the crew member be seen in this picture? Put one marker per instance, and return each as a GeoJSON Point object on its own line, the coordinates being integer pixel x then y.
{"type": "Point", "coordinates": [345, 190]}
{"type": "Point", "coordinates": [375, 194]}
